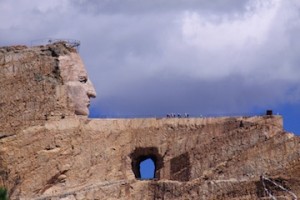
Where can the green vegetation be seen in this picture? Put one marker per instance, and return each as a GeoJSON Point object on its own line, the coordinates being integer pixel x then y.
{"type": "Point", "coordinates": [3, 194]}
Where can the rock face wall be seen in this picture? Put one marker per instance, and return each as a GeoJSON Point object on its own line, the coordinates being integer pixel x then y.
{"type": "Point", "coordinates": [32, 89]}
{"type": "Point", "coordinates": [66, 156]}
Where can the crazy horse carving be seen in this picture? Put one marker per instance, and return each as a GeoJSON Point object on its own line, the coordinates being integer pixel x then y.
{"type": "Point", "coordinates": [50, 149]}
{"type": "Point", "coordinates": [79, 87]}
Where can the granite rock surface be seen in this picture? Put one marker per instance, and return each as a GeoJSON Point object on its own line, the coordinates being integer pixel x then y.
{"type": "Point", "coordinates": [48, 152]}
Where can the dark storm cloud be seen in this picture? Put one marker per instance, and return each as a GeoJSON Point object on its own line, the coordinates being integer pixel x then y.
{"type": "Point", "coordinates": [195, 97]}
{"type": "Point", "coordinates": [231, 66]}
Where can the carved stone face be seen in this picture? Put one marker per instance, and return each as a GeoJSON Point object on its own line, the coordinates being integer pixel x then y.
{"type": "Point", "coordinates": [80, 88]}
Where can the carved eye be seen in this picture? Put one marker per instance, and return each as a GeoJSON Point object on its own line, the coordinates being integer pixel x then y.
{"type": "Point", "coordinates": [83, 79]}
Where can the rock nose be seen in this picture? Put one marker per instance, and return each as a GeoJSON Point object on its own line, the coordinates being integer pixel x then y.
{"type": "Point", "coordinates": [91, 92]}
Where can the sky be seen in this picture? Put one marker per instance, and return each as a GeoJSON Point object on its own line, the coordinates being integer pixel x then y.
{"type": "Point", "coordinates": [153, 57]}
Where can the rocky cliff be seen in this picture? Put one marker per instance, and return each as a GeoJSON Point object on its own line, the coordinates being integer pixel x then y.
{"type": "Point", "coordinates": [66, 156]}
{"type": "Point", "coordinates": [32, 89]}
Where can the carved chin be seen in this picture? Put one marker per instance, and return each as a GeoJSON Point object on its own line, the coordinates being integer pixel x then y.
{"type": "Point", "coordinates": [82, 111]}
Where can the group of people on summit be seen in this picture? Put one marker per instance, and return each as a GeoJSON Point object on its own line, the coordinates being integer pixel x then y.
{"type": "Point", "coordinates": [173, 115]}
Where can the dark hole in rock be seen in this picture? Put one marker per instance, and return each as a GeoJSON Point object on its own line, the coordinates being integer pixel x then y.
{"type": "Point", "coordinates": [143, 154]}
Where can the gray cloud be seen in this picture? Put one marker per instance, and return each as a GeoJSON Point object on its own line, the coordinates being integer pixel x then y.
{"type": "Point", "coordinates": [156, 6]}
{"type": "Point", "coordinates": [193, 96]}
{"type": "Point", "coordinates": [154, 57]}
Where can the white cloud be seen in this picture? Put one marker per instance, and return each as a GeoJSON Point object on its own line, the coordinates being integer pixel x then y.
{"type": "Point", "coordinates": [225, 39]}
{"type": "Point", "coordinates": [227, 31]}
{"type": "Point", "coordinates": [254, 43]}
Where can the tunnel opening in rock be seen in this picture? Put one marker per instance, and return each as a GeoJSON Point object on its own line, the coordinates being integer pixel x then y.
{"type": "Point", "coordinates": [146, 163]}
{"type": "Point", "coordinates": [147, 168]}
